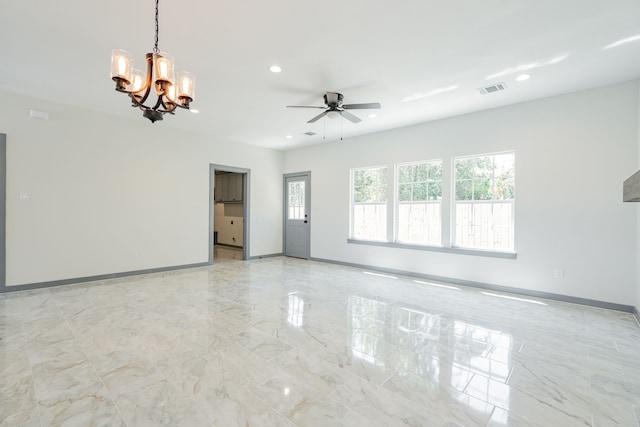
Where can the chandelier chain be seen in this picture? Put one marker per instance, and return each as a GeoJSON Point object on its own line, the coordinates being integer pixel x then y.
{"type": "Point", "coordinates": [155, 47]}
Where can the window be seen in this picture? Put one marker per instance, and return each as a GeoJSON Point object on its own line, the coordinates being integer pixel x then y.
{"type": "Point", "coordinates": [369, 203]}
{"type": "Point", "coordinates": [484, 201]}
{"type": "Point", "coordinates": [419, 196]}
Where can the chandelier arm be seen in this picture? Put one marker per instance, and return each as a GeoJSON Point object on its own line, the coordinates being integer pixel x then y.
{"type": "Point", "coordinates": [158, 103]}
{"type": "Point", "coordinates": [171, 107]}
{"type": "Point", "coordinates": [147, 85]}
{"type": "Point", "coordinates": [167, 109]}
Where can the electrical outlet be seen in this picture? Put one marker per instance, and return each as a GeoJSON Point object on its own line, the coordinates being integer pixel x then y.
{"type": "Point", "coordinates": [558, 273]}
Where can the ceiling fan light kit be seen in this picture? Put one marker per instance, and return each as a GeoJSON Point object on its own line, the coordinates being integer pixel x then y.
{"type": "Point", "coordinates": [334, 107]}
{"type": "Point", "coordinates": [160, 76]}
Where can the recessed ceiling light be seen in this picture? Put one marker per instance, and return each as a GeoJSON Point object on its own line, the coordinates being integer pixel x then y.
{"type": "Point", "coordinates": [194, 111]}
{"type": "Point", "coordinates": [523, 77]}
{"type": "Point", "coordinates": [372, 115]}
{"type": "Point", "coordinates": [275, 69]}
{"type": "Point", "coordinates": [288, 136]}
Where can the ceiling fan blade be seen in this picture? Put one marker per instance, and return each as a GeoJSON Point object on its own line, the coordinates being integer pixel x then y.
{"type": "Point", "coordinates": [350, 117]}
{"type": "Point", "coordinates": [318, 117]}
{"type": "Point", "coordinates": [370, 106]}
{"type": "Point", "coordinates": [303, 106]}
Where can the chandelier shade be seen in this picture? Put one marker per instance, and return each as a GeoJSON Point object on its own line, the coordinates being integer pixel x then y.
{"type": "Point", "coordinates": [159, 78]}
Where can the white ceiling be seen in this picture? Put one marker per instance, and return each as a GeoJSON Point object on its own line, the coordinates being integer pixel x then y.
{"type": "Point", "coordinates": [369, 50]}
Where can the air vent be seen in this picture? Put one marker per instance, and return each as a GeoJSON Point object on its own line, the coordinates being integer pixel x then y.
{"type": "Point", "coordinates": [310, 133]}
{"type": "Point", "coordinates": [493, 88]}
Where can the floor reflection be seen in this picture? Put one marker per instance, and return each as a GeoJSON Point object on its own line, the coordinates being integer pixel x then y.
{"type": "Point", "coordinates": [431, 350]}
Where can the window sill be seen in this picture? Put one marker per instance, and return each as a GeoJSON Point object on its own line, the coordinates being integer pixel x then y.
{"type": "Point", "coordinates": [450, 250]}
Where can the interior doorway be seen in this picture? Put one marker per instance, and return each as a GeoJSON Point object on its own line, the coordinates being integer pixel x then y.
{"type": "Point", "coordinates": [228, 213]}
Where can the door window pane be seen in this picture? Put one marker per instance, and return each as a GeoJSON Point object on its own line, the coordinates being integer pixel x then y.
{"type": "Point", "coordinates": [296, 200]}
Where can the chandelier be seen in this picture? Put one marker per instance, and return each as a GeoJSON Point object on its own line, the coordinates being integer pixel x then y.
{"type": "Point", "coordinates": [160, 77]}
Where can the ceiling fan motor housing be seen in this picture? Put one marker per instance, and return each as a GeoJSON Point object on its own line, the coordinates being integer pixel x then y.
{"type": "Point", "coordinates": [333, 99]}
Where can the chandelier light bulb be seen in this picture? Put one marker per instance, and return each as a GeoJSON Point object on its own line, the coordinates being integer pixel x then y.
{"type": "Point", "coordinates": [121, 66]}
{"type": "Point", "coordinates": [171, 94]}
{"type": "Point", "coordinates": [137, 82]}
{"type": "Point", "coordinates": [164, 67]}
{"type": "Point", "coordinates": [186, 86]}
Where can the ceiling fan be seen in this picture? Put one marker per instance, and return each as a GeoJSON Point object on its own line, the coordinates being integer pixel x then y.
{"type": "Point", "coordinates": [334, 105]}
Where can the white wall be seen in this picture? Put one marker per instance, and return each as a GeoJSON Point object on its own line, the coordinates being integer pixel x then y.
{"type": "Point", "coordinates": [572, 154]}
{"type": "Point", "coordinates": [109, 194]}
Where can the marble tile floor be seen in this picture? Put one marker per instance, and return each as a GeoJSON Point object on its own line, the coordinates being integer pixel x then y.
{"type": "Point", "coordinates": [288, 342]}
{"type": "Point", "coordinates": [222, 253]}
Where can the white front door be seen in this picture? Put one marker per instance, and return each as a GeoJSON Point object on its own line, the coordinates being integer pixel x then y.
{"type": "Point", "coordinates": [297, 228]}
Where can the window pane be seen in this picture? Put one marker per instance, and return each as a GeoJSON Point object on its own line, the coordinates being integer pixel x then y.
{"type": "Point", "coordinates": [404, 174]}
{"type": "Point", "coordinates": [421, 172]}
{"type": "Point", "coordinates": [435, 171]}
{"type": "Point", "coordinates": [420, 192]}
{"type": "Point", "coordinates": [464, 168]}
{"type": "Point", "coordinates": [358, 178]}
{"type": "Point", "coordinates": [404, 192]}
{"type": "Point", "coordinates": [483, 167]}
{"type": "Point", "coordinates": [370, 222]}
{"type": "Point", "coordinates": [463, 190]}
{"type": "Point", "coordinates": [482, 189]}
{"type": "Point", "coordinates": [296, 200]}
{"type": "Point", "coordinates": [504, 176]}
{"type": "Point", "coordinates": [419, 223]}
{"type": "Point", "coordinates": [382, 193]}
{"type": "Point", "coordinates": [435, 190]}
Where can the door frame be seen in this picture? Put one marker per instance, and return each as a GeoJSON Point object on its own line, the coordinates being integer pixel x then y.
{"type": "Point", "coordinates": [3, 211]}
{"type": "Point", "coordinates": [245, 198]}
{"type": "Point", "coordinates": [306, 174]}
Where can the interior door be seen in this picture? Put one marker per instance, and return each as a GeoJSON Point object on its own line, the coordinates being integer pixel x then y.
{"type": "Point", "coordinates": [297, 227]}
